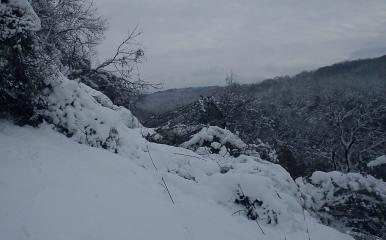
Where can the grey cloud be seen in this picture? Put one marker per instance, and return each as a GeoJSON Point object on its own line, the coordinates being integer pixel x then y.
{"type": "Point", "coordinates": [192, 43]}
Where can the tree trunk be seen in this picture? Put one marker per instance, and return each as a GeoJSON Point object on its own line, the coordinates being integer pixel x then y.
{"type": "Point", "coordinates": [347, 157]}
{"type": "Point", "coordinates": [333, 160]}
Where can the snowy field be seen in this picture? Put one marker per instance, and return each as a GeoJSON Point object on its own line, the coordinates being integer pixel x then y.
{"type": "Point", "coordinates": [54, 188]}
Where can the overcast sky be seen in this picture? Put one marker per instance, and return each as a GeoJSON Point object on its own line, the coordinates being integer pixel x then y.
{"type": "Point", "coordinates": [197, 42]}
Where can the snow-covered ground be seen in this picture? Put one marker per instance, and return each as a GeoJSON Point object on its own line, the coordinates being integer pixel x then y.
{"type": "Point", "coordinates": [52, 187]}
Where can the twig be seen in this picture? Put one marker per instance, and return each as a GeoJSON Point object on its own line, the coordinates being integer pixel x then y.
{"type": "Point", "coordinates": [162, 178]}
{"type": "Point", "coordinates": [148, 152]}
{"type": "Point", "coordinates": [260, 227]}
{"type": "Point", "coordinates": [278, 195]}
{"type": "Point", "coordinates": [242, 192]}
{"type": "Point", "coordinates": [167, 189]}
{"type": "Point", "coordinates": [186, 155]}
{"type": "Point", "coordinates": [242, 210]}
{"type": "Point", "coordinates": [304, 217]}
{"type": "Point", "coordinates": [218, 162]}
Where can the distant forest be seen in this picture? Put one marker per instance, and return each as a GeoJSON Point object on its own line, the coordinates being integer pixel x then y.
{"type": "Point", "coordinates": [333, 118]}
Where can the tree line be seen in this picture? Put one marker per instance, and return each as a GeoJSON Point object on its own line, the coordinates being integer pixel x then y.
{"type": "Point", "coordinates": [333, 118]}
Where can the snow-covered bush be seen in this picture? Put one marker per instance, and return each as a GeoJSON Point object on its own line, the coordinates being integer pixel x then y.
{"type": "Point", "coordinates": [174, 135]}
{"type": "Point", "coordinates": [17, 18]}
{"type": "Point", "coordinates": [217, 140]}
{"type": "Point", "coordinates": [86, 115]}
{"type": "Point", "coordinates": [350, 202]}
{"type": "Point", "coordinates": [21, 72]}
{"type": "Point", "coordinates": [256, 209]}
{"type": "Point", "coordinates": [116, 88]}
{"type": "Point", "coordinates": [40, 38]}
{"type": "Point", "coordinates": [263, 150]}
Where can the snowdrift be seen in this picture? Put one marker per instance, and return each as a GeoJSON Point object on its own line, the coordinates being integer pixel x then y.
{"type": "Point", "coordinates": [52, 187]}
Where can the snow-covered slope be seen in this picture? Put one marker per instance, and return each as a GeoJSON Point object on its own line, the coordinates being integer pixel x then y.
{"type": "Point", "coordinates": [54, 188]}
{"type": "Point", "coordinates": [51, 187]}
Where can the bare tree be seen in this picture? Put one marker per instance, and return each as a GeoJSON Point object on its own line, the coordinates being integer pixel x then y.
{"type": "Point", "coordinates": [356, 126]}
{"type": "Point", "coordinates": [70, 30]}
{"type": "Point", "coordinates": [125, 60]}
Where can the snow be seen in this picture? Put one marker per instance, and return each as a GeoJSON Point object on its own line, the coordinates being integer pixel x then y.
{"type": "Point", "coordinates": [352, 181]}
{"type": "Point", "coordinates": [351, 202]}
{"type": "Point", "coordinates": [378, 161]}
{"type": "Point", "coordinates": [323, 186]}
{"type": "Point", "coordinates": [209, 133]}
{"type": "Point", "coordinates": [86, 115]}
{"type": "Point", "coordinates": [213, 139]}
{"type": "Point", "coordinates": [52, 187]}
{"type": "Point", "coordinates": [55, 189]}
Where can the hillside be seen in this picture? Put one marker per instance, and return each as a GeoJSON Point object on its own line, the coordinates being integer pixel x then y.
{"type": "Point", "coordinates": [328, 119]}
{"type": "Point", "coordinates": [55, 188]}
{"type": "Point", "coordinates": [368, 69]}
{"type": "Point", "coordinates": [291, 158]}
{"type": "Point", "coordinates": [164, 101]}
